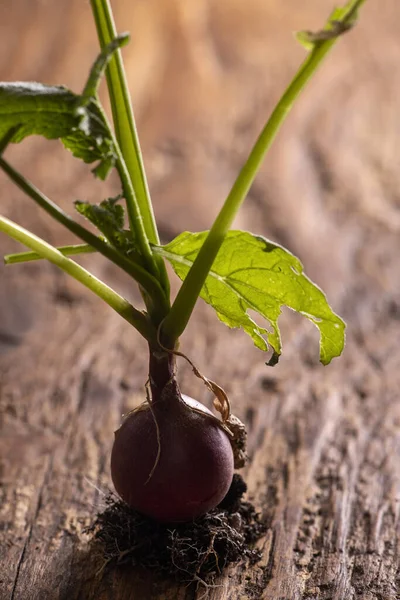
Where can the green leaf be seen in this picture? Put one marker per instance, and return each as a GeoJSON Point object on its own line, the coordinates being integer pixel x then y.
{"type": "Point", "coordinates": [109, 218]}
{"type": "Point", "coordinates": [251, 272]}
{"type": "Point", "coordinates": [57, 113]}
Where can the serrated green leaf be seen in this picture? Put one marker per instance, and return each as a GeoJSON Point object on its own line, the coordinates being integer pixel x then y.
{"type": "Point", "coordinates": [252, 273]}
{"type": "Point", "coordinates": [109, 218]}
{"type": "Point", "coordinates": [56, 113]}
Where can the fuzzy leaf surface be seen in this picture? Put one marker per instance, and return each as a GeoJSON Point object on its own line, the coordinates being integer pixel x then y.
{"type": "Point", "coordinates": [57, 113]}
{"type": "Point", "coordinates": [109, 218]}
{"type": "Point", "coordinates": [252, 273]}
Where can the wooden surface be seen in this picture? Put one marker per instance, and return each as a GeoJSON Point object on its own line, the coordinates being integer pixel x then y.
{"type": "Point", "coordinates": [325, 442]}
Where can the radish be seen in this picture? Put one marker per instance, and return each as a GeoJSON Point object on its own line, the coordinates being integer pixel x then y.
{"type": "Point", "coordinates": [172, 459]}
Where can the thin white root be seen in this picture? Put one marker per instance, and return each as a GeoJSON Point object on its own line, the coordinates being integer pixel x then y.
{"type": "Point", "coordinates": [148, 401]}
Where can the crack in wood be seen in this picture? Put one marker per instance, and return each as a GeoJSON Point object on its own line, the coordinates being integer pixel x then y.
{"type": "Point", "coordinates": [44, 483]}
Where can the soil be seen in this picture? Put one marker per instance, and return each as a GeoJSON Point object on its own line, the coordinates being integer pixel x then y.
{"type": "Point", "coordinates": [197, 551]}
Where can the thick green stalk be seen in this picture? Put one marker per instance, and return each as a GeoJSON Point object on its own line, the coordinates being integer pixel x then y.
{"type": "Point", "coordinates": [133, 209]}
{"type": "Point", "coordinates": [181, 310]}
{"type": "Point", "coordinates": [97, 71]}
{"type": "Point", "coordinates": [147, 281]}
{"type": "Point", "coordinates": [103, 291]}
{"type": "Point", "coordinates": [125, 126]}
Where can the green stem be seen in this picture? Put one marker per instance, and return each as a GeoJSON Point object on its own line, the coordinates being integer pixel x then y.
{"type": "Point", "coordinates": [181, 310]}
{"type": "Point", "coordinates": [158, 303]}
{"type": "Point", "coordinates": [135, 216]}
{"type": "Point", "coordinates": [6, 139]}
{"type": "Point", "coordinates": [125, 126]}
{"type": "Point", "coordinates": [97, 70]}
{"type": "Point", "coordinates": [147, 281]}
{"type": "Point", "coordinates": [22, 257]}
{"type": "Point", "coordinates": [103, 291]}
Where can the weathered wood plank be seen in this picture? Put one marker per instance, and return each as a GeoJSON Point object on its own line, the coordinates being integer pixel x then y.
{"type": "Point", "coordinates": [325, 442]}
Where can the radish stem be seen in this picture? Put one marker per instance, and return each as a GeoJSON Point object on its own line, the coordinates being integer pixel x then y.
{"type": "Point", "coordinates": [125, 127]}
{"type": "Point", "coordinates": [181, 310]}
{"type": "Point", "coordinates": [21, 257]}
{"type": "Point", "coordinates": [118, 303]}
{"type": "Point", "coordinates": [145, 279]}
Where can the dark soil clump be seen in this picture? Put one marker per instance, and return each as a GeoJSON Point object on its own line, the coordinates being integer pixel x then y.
{"type": "Point", "coordinates": [195, 551]}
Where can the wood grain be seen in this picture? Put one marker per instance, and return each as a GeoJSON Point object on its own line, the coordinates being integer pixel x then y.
{"type": "Point", "coordinates": [325, 442]}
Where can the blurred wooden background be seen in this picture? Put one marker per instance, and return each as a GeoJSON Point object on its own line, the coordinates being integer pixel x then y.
{"type": "Point", "coordinates": [325, 442]}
